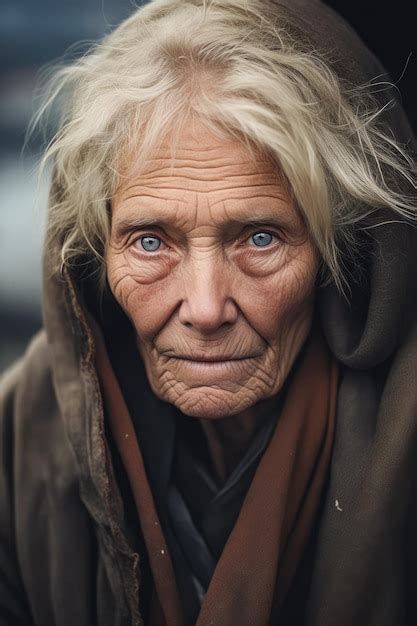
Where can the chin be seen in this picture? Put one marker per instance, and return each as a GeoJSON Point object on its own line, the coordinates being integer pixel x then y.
{"type": "Point", "coordinates": [207, 404]}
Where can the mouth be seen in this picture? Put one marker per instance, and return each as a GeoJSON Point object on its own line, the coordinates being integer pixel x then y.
{"type": "Point", "coordinates": [212, 368]}
{"type": "Point", "coordinates": [213, 359]}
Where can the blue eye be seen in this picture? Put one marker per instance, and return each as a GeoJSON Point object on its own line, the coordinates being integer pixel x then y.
{"type": "Point", "coordinates": [150, 243]}
{"type": "Point", "coordinates": [261, 239]}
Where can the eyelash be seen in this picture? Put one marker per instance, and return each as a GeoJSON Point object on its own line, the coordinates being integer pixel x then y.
{"type": "Point", "coordinates": [255, 232]}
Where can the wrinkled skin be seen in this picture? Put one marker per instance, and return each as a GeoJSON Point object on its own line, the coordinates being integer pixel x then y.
{"type": "Point", "coordinates": [202, 286]}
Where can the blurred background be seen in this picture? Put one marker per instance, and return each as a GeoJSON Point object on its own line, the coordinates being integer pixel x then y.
{"type": "Point", "coordinates": [33, 34]}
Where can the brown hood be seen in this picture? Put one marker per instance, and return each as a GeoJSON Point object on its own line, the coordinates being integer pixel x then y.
{"type": "Point", "coordinates": [369, 329]}
{"type": "Point", "coordinates": [364, 527]}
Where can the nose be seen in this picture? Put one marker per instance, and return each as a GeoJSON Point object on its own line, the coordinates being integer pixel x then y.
{"type": "Point", "coordinates": [207, 304]}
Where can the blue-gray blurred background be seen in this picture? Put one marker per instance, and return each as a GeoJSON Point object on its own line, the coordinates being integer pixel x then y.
{"type": "Point", "coordinates": [33, 34]}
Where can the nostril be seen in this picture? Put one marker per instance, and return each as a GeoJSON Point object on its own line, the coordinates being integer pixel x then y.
{"type": "Point", "coordinates": [207, 314]}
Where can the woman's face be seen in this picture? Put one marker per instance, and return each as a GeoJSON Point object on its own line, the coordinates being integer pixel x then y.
{"type": "Point", "coordinates": [215, 269]}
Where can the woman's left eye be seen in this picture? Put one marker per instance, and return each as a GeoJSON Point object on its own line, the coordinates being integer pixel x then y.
{"type": "Point", "coordinates": [261, 239]}
{"type": "Point", "coordinates": [149, 243]}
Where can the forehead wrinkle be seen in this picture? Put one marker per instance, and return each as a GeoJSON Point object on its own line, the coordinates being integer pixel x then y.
{"type": "Point", "coordinates": [238, 158]}
{"type": "Point", "coordinates": [223, 159]}
{"type": "Point", "coordinates": [136, 190]}
{"type": "Point", "coordinates": [204, 144]}
{"type": "Point", "coordinates": [196, 196]}
{"type": "Point", "coordinates": [209, 189]}
{"type": "Point", "coordinates": [122, 197]}
{"type": "Point", "coordinates": [197, 172]}
{"type": "Point", "coordinates": [204, 171]}
{"type": "Point", "coordinates": [202, 200]}
{"type": "Point", "coordinates": [281, 196]}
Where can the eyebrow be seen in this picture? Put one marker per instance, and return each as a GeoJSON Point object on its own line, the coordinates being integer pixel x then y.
{"type": "Point", "coordinates": [127, 225]}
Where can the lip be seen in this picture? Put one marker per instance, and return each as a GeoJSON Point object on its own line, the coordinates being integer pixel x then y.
{"type": "Point", "coordinates": [214, 359]}
{"type": "Point", "coordinates": [200, 371]}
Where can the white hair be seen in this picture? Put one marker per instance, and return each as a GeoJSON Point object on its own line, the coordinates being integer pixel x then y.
{"type": "Point", "coordinates": [239, 68]}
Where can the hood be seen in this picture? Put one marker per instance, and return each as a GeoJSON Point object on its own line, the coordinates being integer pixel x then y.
{"type": "Point", "coordinates": [371, 333]}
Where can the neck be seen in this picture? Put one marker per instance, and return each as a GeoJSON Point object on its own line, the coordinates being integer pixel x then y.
{"type": "Point", "coordinates": [228, 438]}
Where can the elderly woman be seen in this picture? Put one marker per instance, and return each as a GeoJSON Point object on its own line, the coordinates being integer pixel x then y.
{"type": "Point", "coordinates": [217, 425]}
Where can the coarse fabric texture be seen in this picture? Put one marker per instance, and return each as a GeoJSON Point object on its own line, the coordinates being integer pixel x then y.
{"type": "Point", "coordinates": [263, 550]}
{"type": "Point", "coordinates": [70, 550]}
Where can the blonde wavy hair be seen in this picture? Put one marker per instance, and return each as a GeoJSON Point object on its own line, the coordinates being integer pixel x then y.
{"type": "Point", "coordinates": [239, 67]}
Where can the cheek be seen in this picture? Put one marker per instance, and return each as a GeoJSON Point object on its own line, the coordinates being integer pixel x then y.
{"type": "Point", "coordinates": [148, 304]}
{"type": "Point", "coordinates": [284, 299]}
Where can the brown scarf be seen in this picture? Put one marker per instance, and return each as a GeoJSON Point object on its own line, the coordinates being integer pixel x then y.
{"type": "Point", "coordinates": [258, 563]}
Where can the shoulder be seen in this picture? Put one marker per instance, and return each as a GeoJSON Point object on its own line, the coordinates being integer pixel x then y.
{"type": "Point", "coordinates": [28, 404]}
{"type": "Point", "coordinates": [36, 459]}
{"type": "Point", "coordinates": [28, 378]}
{"type": "Point", "coordinates": [23, 389]}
